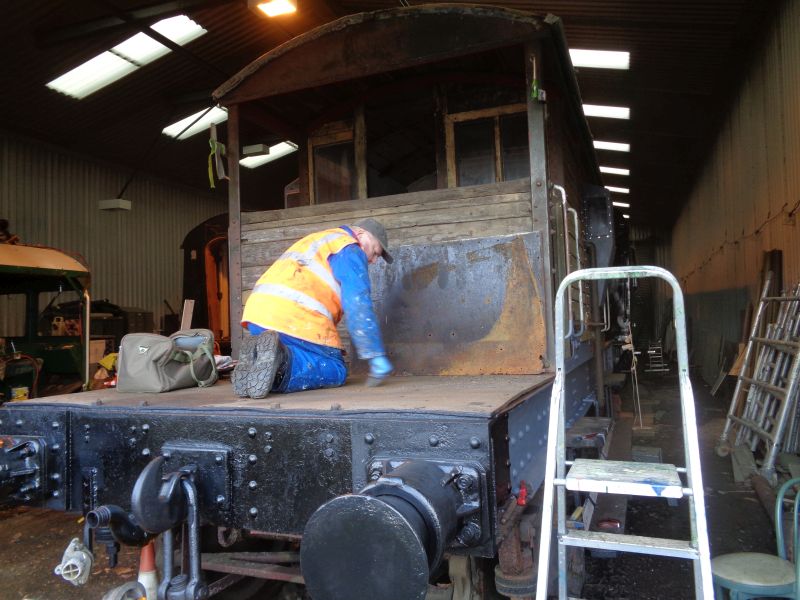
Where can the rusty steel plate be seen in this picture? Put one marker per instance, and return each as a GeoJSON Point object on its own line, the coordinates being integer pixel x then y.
{"type": "Point", "coordinates": [465, 307]}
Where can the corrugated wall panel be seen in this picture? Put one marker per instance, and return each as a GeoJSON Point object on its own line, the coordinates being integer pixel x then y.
{"type": "Point", "coordinates": [746, 201]}
{"type": "Point", "coordinates": [50, 197]}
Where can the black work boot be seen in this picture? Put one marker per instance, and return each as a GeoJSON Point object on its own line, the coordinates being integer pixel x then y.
{"type": "Point", "coordinates": [268, 358]}
{"type": "Point", "coordinates": [247, 357]}
{"type": "Point", "coordinates": [260, 359]}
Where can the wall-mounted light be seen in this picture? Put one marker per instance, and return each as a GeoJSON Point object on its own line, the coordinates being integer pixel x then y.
{"type": "Point", "coordinates": [272, 8]}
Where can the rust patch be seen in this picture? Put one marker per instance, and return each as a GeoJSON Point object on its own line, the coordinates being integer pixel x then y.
{"type": "Point", "coordinates": [516, 341]}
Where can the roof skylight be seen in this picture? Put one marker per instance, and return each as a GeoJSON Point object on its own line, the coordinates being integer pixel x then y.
{"type": "Point", "coordinates": [600, 59]}
{"type": "Point", "coordinates": [275, 152]}
{"type": "Point", "coordinates": [614, 146]}
{"type": "Point", "coordinates": [125, 57]}
{"type": "Point", "coordinates": [609, 112]}
{"type": "Point", "coordinates": [197, 122]}
{"type": "Point", "coordinates": [618, 190]}
{"type": "Point", "coordinates": [615, 171]}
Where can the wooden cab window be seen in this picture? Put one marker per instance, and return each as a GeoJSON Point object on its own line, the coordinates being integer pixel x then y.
{"type": "Point", "coordinates": [334, 172]}
{"type": "Point", "coordinates": [336, 161]}
{"type": "Point", "coordinates": [487, 145]}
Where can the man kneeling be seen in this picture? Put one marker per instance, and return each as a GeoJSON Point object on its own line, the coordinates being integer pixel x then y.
{"type": "Point", "coordinates": [295, 306]}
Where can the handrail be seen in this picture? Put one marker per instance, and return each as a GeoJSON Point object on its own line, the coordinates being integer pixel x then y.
{"type": "Point", "coordinates": [574, 213]}
{"type": "Point", "coordinates": [563, 193]}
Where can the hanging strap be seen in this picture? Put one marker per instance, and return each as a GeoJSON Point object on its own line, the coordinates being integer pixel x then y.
{"type": "Point", "coordinates": [186, 356]}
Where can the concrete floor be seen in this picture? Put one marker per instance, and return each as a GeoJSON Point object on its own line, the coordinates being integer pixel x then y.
{"type": "Point", "coordinates": [35, 540]}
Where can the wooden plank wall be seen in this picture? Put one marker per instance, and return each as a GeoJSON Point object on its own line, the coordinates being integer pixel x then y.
{"type": "Point", "coordinates": [417, 218]}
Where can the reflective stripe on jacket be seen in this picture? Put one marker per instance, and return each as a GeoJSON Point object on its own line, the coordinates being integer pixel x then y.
{"type": "Point", "coordinates": [298, 295]}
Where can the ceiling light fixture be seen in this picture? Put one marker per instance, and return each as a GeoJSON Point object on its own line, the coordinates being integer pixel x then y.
{"type": "Point", "coordinates": [608, 112]}
{"type": "Point", "coordinates": [621, 204]}
{"type": "Point", "coordinates": [125, 57]}
{"type": "Point", "coordinates": [614, 146]}
{"type": "Point", "coordinates": [615, 171]}
{"type": "Point", "coordinates": [266, 155]}
{"type": "Point", "coordinates": [199, 121]}
{"type": "Point", "coordinates": [273, 8]}
{"type": "Point", "coordinates": [618, 190]}
{"type": "Point", "coordinates": [626, 216]}
{"type": "Point", "coordinates": [600, 59]}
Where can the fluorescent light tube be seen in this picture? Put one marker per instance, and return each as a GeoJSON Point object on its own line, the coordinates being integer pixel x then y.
{"type": "Point", "coordinates": [275, 152]}
{"type": "Point", "coordinates": [615, 171]}
{"type": "Point", "coordinates": [600, 59]}
{"type": "Point", "coordinates": [216, 116]}
{"type": "Point", "coordinates": [614, 146]}
{"type": "Point", "coordinates": [608, 112]}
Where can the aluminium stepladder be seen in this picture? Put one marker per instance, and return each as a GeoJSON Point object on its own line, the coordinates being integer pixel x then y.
{"type": "Point", "coordinates": [639, 479]}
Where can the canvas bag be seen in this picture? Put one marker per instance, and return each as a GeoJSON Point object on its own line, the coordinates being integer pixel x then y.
{"type": "Point", "coordinates": [149, 362]}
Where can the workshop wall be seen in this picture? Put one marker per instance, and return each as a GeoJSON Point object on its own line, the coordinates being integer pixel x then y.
{"type": "Point", "coordinates": [746, 200]}
{"type": "Point", "coordinates": [50, 197]}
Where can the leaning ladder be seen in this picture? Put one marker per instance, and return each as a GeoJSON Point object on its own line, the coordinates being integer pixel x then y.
{"type": "Point", "coordinates": [617, 477]}
{"type": "Point", "coordinates": [764, 407]}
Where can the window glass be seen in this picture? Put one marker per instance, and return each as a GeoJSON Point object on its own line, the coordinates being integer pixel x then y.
{"type": "Point", "coordinates": [514, 141]}
{"type": "Point", "coordinates": [475, 160]}
{"type": "Point", "coordinates": [334, 173]}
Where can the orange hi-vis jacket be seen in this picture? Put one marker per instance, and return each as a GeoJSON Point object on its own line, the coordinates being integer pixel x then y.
{"type": "Point", "coordinates": [298, 295]}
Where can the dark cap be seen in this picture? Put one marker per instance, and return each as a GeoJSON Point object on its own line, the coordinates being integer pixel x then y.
{"type": "Point", "coordinates": [377, 230]}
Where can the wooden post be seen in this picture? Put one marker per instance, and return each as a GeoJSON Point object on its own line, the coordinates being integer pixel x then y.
{"type": "Point", "coordinates": [539, 185]}
{"type": "Point", "coordinates": [360, 150]}
{"type": "Point", "coordinates": [234, 230]}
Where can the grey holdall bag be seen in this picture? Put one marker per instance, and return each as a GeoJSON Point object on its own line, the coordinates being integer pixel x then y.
{"type": "Point", "coordinates": [149, 362]}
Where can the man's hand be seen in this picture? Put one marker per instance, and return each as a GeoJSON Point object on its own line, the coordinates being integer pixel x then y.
{"type": "Point", "coordinates": [379, 369]}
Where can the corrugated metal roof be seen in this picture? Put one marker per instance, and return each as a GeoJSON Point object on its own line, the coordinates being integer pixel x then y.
{"type": "Point", "coordinates": [685, 58]}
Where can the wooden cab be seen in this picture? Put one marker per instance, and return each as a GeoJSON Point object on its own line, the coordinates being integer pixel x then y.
{"type": "Point", "coordinates": [451, 124]}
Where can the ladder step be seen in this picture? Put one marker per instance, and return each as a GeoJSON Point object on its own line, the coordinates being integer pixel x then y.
{"type": "Point", "coordinates": [630, 543]}
{"type": "Point", "coordinates": [774, 390]}
{"type": "Point", "coordinates": [792, 346]}
{"type": "Point", "coordinates": [624, 477]}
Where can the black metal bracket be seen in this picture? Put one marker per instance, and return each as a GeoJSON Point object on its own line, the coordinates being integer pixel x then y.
{"type": "Point", "coordinates": [468, 479]}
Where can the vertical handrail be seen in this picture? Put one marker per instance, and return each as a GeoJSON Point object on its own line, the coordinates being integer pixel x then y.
{"type": "Point", "coordinates": [574, 214]}
{"type": "Point", "coordinates": [555, 465]}
{"type": "Point", "coordinates": [563, 193]}
{"type": "Point", "coordinates": [606, 313]}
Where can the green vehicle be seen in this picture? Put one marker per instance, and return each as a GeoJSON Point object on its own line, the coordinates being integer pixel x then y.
{"type": "Point", "coordinates": [42, 354]}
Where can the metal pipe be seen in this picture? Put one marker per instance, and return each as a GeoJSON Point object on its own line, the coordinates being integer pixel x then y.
{"type": "Point", "coordinates": [563, 193]}
{"type": "Point", "coordinates": [581, 309]}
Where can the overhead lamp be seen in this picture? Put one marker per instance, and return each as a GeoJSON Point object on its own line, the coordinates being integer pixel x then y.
{"type": "Point", "coordinates": [621, 204]}
{"type": "Point", "coordinates": [260, 154]}
{"type": "Point", "coordinates": [615, 171]}
{"type": "Point", "coordinates": [626, 216]}
{"type": "Point", "coordinates": [608, 112]}
{"type": "Point", "coordinates": [614, 146]}
{"type": "Point", "coordinates": [618, 190]}
{"type": "Point", "coordinates": [273, 8]}
{"type": "Point", "coordinates": [600, 59]}
{"type": "Point", "coordinates": [193, 124]}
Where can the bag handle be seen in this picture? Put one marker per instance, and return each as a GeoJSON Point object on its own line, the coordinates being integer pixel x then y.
{"type": "Point", "coordinates": [190, 356]}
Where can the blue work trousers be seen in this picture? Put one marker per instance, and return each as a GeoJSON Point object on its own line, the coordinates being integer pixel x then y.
{"type": "Point", "coordinates": [309, 366]}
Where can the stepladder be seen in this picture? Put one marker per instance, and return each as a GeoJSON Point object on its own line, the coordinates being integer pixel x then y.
{"type": "Point", "coordinates": [620, 477]}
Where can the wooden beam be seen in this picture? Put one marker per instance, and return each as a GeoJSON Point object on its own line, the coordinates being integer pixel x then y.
{"type": "Point", "coordinates": [234, 230]}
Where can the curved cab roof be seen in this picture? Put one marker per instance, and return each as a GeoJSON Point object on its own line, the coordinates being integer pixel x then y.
{"type": "Point", "coordinates": [41, 261]}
